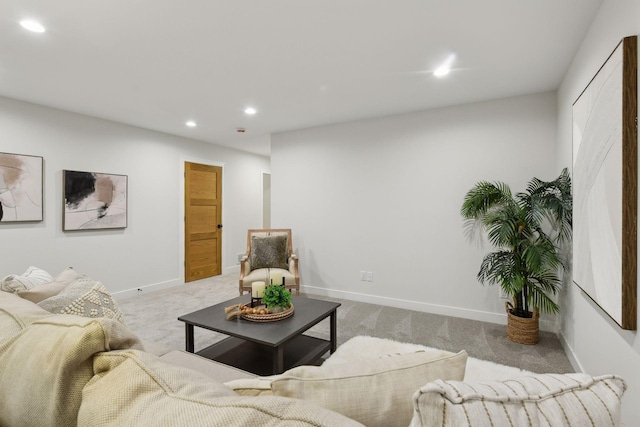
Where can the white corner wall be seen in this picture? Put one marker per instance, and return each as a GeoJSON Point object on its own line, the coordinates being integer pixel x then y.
{"type": "Point", "coordinates": [593, 341]}
{"type": "Point", "coordinates": [384, 195]}
{"type": "Point", "coordinates": [148, 254]}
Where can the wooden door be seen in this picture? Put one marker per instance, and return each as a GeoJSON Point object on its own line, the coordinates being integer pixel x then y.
{"type": "Point", "coordinates": [203, 221]}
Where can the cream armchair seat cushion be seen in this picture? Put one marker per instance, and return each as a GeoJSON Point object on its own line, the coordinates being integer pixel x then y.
{"type": "Point", "coordinates": [264, 275]}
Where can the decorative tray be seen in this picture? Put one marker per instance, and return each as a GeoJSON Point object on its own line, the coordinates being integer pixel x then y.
{"type": "Point", "coordinates": [271, 317]}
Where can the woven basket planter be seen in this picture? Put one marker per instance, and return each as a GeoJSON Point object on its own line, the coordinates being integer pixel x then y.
{"type": "Point", "coordinates": [522, 330]}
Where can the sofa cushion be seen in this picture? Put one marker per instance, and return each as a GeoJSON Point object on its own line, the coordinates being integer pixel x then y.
{"type": "Point", "coordinates": [258, 386]}
{"type": "Point", "coordinates": [34, 276]}
{"type": "Point", "coordinates": [16, 314]}
{"type": "Point", "coordinates": [160, 394]}
{"type": "Point", "coordinates": [45, 366]}
{"type": "Point", "coordinates": [84, 297]}
{"type": "Point", "coordinates": [268, 252]}
{"type": "Point", "coordinates": [545, 399]}
{"type": "Point", "coordinates": [47, 290]}
{"type": "Point", "coordinates": [216, 370]}
{"type": "Point", "coordinates": [376, 392]}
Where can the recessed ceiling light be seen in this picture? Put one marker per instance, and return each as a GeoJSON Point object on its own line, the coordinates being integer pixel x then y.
{"type": "Point", "coordinates": [441, 71]}
{"type": "Point", "coordinates": [191, 124]}
{"type": "Point", "coordinates": [250, 111]}
{"type": "Point", "coordinates": [31, 25]}
{"type": "Point", "coordinates": [445, 67]}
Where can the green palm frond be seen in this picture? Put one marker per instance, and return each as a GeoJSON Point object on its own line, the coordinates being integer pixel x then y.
{"type": "Point", "coordinates": [540, 287]}
{"type": "Point", "coordinates": [501, 267]}
{"type": "Point", "coordinates": [482, 197]}
{"type": "Point", "coordinates": [502, 228]}
{"type": "Point", "coordinates": [541, 255]}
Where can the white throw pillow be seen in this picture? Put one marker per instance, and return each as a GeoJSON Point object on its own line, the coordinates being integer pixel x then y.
{"type": "Point", "coordinates": [375, 392]}
{"type": "Point", "coordinates": [364, 347]}
{"type": "Point", "coordinates": [34, 276]}
{"type": "Point", "coordinates": [541, 399]}
{"type": "Point", "coordinates": [47, 290]}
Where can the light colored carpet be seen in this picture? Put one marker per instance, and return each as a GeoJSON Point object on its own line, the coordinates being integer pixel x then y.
{"type": "Point", "coordinates": [154, 317]}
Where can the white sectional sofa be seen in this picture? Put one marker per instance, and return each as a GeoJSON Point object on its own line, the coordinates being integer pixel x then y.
{"type": "Point", "coordinates": [88, 369]}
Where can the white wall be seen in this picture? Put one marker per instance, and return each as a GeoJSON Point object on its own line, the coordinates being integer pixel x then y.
{"type": "Point", "coordinates": [149, 252]}
{"type": "Point", "coordinates": [596, 344]}
{"type": "Point", "coordinates": [384, 195]}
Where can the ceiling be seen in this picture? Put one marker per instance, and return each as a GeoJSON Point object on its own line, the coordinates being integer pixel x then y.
{"type": "Point", "coordinates": [300, 63]}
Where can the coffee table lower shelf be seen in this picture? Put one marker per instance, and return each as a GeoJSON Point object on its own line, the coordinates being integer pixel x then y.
{"type": "Point", "coordinates": [259, 358]}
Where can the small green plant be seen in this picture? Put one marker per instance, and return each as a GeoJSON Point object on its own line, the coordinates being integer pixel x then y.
{"type": "Point", "coordinates": [276, 296]}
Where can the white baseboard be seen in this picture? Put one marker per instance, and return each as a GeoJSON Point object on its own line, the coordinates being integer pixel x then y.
{"type": "Point", "coordinates": [571, 355]}
{"type": "Point", "coordinates": [163, 285]}
{"type": "Point", "coordinates": [483, 316]}
{"type": "Point", "coordinates": [147, 288]}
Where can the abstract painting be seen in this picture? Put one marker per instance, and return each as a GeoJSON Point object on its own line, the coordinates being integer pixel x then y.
{"type": "Point", "coordinates": [605, 177]}
{"type": "Point", "coordinates": [94, 201]}
{"type": "Point", "coordinates": [20, 188]}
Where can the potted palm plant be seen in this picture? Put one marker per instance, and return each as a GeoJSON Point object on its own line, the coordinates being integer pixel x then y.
{"type": "Point", "coordinates": [528, 231]}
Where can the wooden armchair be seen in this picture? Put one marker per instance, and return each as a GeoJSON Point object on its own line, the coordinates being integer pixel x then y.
{"type": "Point", "coordinates": [269, 252]}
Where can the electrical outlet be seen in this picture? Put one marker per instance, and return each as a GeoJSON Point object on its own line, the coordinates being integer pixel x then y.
{"type": "Point", "coordinates": [139, 291]}
{"type": "Point", "coordinates": [369, 276]}
{"type": "Point", "coordinates": [363, 275]}
{"type": "Point", "coordinates": [503, 294]}
{"type": "Point", "coordinates": [240, 257]}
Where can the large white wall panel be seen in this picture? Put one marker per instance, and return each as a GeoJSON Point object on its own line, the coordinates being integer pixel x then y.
{"type": "Point", "coordinates": [384, 195]}
{"type": "Point", "coordinates": [595, 343]}
{"type": "Point", "coordinates": [148, 253]}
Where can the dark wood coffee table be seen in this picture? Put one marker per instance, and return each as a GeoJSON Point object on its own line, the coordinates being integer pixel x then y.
{"type": "Point", "coordinates": [265, 348]}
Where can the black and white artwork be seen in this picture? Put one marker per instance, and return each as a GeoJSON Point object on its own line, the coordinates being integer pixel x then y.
{"type": "Point", "coordinates": [94, 201]}
{"type": "Point", "coordinates": [20, 188]}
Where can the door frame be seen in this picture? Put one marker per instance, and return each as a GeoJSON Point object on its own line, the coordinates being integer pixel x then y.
{"type": "Point", "coordinates": [262, 174]}
{"type": "Point", "coordinates": [182, 213]}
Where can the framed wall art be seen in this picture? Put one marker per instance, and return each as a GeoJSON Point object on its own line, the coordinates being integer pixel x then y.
{"type": "Point", "coordinates": [605, 176]}
{"type": "Point", "coordinates": [21, 188]}
{"type": "Point", "coordinates": [94, 201]}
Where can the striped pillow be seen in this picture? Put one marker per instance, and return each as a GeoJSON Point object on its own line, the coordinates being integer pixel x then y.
{"type": "Point", "coordinates": [538, 400]}
{"type": "Point", "coordinates": [34, 276]}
